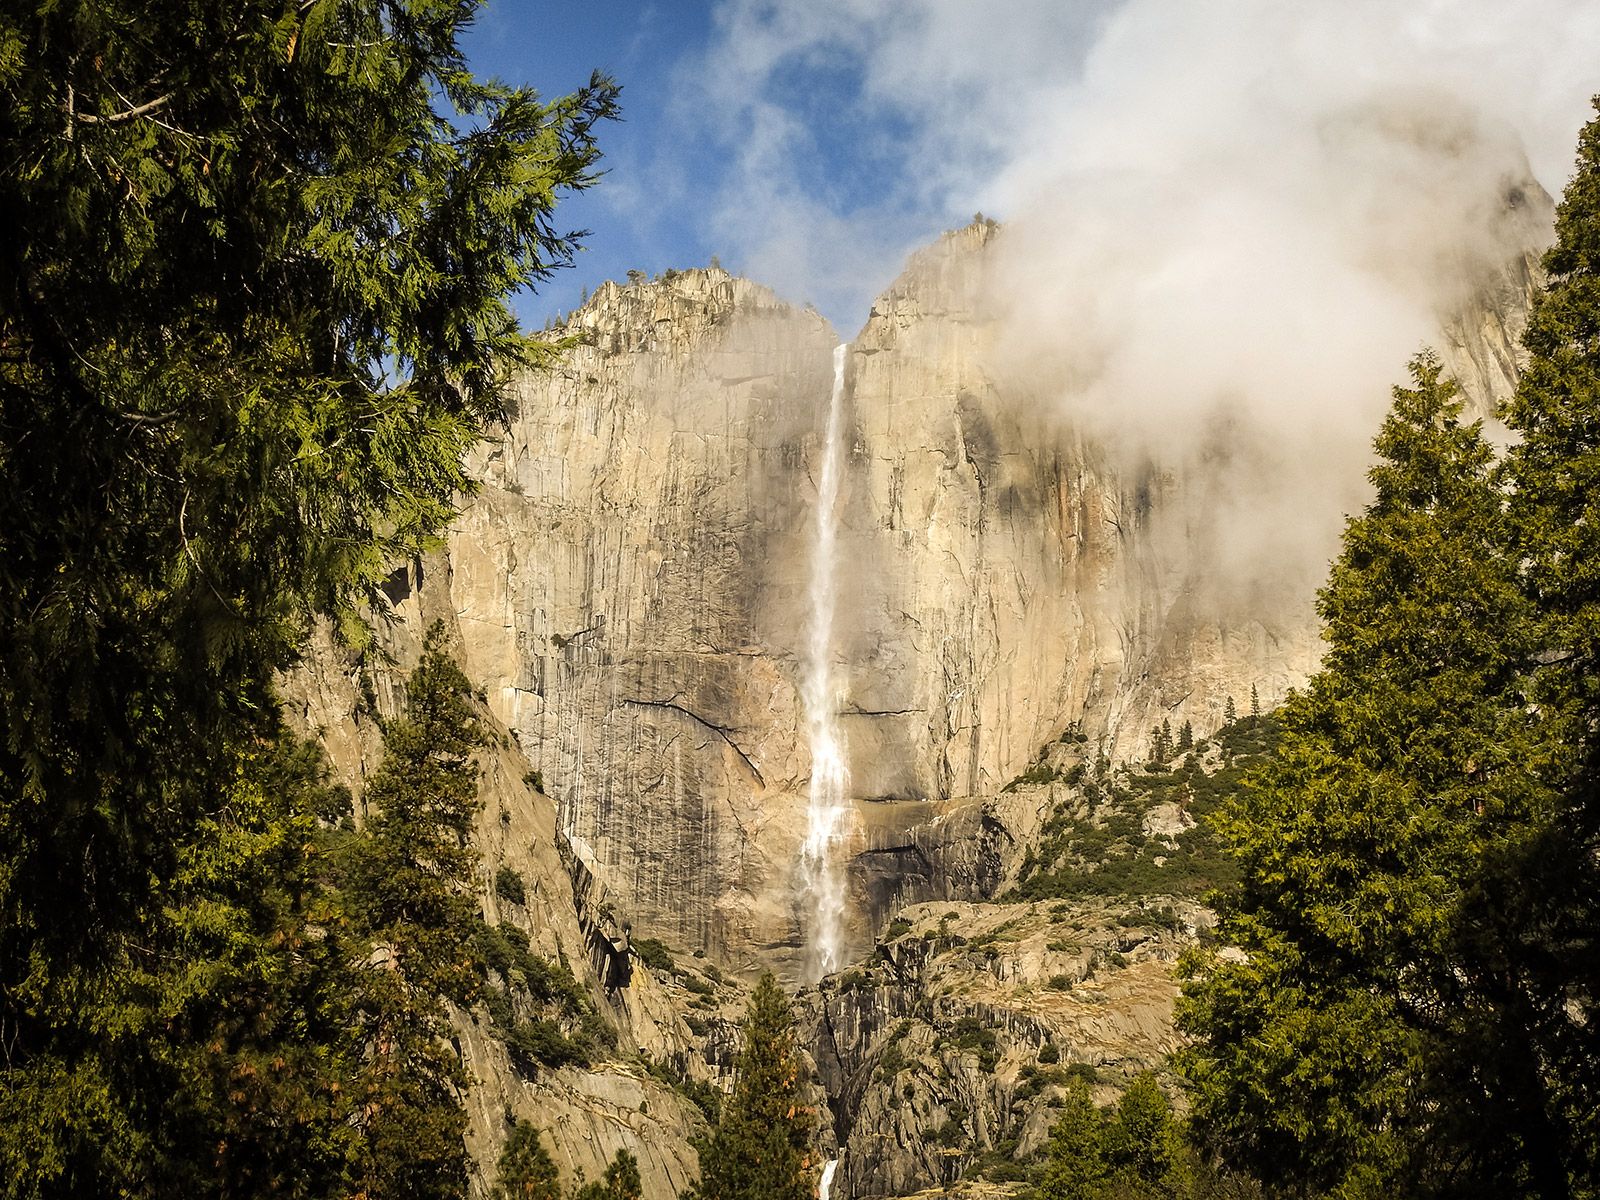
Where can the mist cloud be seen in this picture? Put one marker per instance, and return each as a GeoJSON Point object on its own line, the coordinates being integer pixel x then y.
{"type": "Point", "coordinates": [1238, 117]}
{"type": "Point", "coordinates": [1220, 214]}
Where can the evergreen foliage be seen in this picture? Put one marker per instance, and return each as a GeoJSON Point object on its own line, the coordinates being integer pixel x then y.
{"type": "Point", "coordinates": [252, 313]}
{"type": "Point", "coordinates": [410, 877]}
{"type": "Point", "coordinates": [1320, 1054]}
{"type": "Point", "coordinates": [1141, 1140]}
{"type": "Point", "coordinates": [759, 1149]}
{"type": "Point", "coordinates": [1094, 842]}
{"type": "Point", "coordinates": [1414, 1013]}
{"type": "Point", "coordinates": [526, 1170]}
{"type": "Point", "coordinates": [1133, 1151]}
{"type": "Point", "coordinates": [653, 953]}
{"type": "Point", "coordinates": [620, 1181]}
{"type": "Point", "coordinates": [1077, 1165]}
{"type": "Point", "coordinates": [409, 894]}
{"type": "Point", "coordinates": [536, 1006]}
{"type": "Point", "coordinates": [707, 1097]}
{"type": "Point", "coordinates": [508, 886]}
{"type": "Point", "coordinates": [1161, 744]}
{"type": "Point", "coordinates": [244, 1051]}
{"type": "Point", "coordinates": [1535, 919]}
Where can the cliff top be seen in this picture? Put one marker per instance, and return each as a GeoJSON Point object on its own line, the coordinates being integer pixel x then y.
{"type": "Point", "coordinates": [692, 300]}
{"type": "Point", "coordinates": [687, 303]}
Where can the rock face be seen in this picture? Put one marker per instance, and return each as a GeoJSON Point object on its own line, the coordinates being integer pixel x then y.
{"type": "Point", "coordinates": [1026, 581]}
{"type": "Point", "coordinates": [957, 1037]}
{"type": "Point", "coordinates": [628, 586]}
{"type": "Point", "coordinates": [631, 587]}
{"type": "Point", "coordinates": [585, 1115]}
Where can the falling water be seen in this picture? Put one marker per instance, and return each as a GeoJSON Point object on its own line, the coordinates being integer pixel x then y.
{"type": "Point", "coordinates": [824, 887]}
{"type": "Point", "coordinates": [827, 1179]}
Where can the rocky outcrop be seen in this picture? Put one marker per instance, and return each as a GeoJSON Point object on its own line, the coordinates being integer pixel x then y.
{"type": "Point", "coordinates": [946, 1051]}
{"type": "Point", "coordinates": [585, 1114]}
{"type": "Point", "coordinates": [1481, 338]}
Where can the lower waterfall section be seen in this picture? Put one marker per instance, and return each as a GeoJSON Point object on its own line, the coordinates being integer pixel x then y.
{"type": "Point", "coordinates": [826, 1186]}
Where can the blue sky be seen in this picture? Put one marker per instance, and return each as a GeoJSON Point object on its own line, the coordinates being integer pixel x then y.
{"type": "Point", "coordinates": [672, 161]}
{"type": "Point", "coordinates": [813, 144]}
{"type": "Point", "coordinates": [554, 47]}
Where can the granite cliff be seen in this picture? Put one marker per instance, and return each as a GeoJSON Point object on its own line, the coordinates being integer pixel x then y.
{"type": "Point", "coordinates": [629, 588]}
{"type": "Point", "coordinates": [629, 585]}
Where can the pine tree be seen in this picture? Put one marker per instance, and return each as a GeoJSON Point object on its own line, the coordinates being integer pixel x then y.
{"type": "Point", "coordinates": [1076, 1167]}
{"type": "Point", "coordinates": [620, 1181]}
{"type": "Point", "coordinates": [760, 1148]}
{"type": "Point", "coordinates": [254, 1056]}
{"type": "Point", "coordinates": [1132, 1151]}
{"type": "Point", "coordinates": [1160, 742]}
{"type": "Point", "coordinates": [525, 1170]}
{"type": "Point", "coordinates": [1422, 863]}
{"type": "Point", "coordinates": [1255, 701]}
{"type": "Point", "coordinates": [409, 891]}
{"type": "Point", "coordinates": [1141, 1139]}
{"type": "Point", "coordinates": [1230, 714]}
{"type": "Point", "coordinates": [1555, 467]}
{"type": "Point", "coordinates": [1186, 736]}
{"type": "Point", "coordinates": [252, 315]}
{"type": "Point", "coordinates": [1534, 926]}
{"type": "Point", "coordinates": [1324, 1060]}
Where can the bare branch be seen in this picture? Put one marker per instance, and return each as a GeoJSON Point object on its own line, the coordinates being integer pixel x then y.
{"type": "Point", "coordinates": [129, 114]}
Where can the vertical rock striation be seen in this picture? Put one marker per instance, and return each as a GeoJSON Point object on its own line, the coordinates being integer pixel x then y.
{"type": "Point", "coordinates": [585, 1114]}
{"type": "Point", "coordinates": [630, 586]}
{"type": "Point", "coordinates": [630, 589]}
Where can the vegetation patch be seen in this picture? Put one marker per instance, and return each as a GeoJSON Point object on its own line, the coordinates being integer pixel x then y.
{"type": "Point", "coordinates": [508, 886]}
{"type": "Point", "coordinates": [653, 953]}
{"type": "Point", "coordinates": [707, 1097]}
{"type": "Point", "coordinates": [1094, 841]}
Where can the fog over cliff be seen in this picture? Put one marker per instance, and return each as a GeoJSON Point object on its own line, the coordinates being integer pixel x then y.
{"type": "Point", "coordinates": [1098, 119]}
{"type": "Point", "coordinates": [1228, 224]}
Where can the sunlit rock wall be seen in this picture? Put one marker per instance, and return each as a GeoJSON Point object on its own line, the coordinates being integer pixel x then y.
{"type": "Point", "coordinates": [630, 586]}
{"type": "Point", "coordinates": [629, 583]}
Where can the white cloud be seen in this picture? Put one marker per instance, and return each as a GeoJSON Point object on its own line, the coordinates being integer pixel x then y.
{"type": "Point", "coordinates": [1018, 107]}
{"type": "Point", "coordinates": [1258, 208]}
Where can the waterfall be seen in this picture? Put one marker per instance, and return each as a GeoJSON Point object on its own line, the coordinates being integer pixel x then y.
{"type": "Point", "coordinates": [827, 1179]}
{"type": "Point", "coordinates": [824, 885]}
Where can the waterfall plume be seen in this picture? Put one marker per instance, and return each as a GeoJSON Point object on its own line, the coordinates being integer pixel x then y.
{"type": "Point", "coordinates": [820, 873]}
